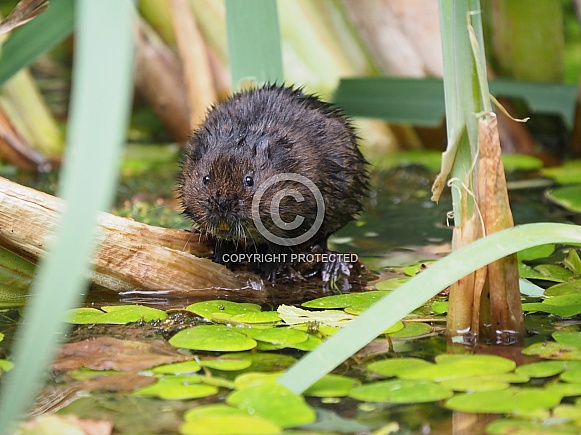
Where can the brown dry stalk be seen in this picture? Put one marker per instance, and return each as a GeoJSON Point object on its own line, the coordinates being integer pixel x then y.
{"type": "Point", "coordinates": [130, 255]}
{"type": "Point", "coordinates": [500, 296]}
{"type": "Point", "coordinates": [195, 60]}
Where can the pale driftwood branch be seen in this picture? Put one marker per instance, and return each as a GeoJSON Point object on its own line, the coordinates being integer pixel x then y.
{"type": "Point", "coordinates": [131, 255]}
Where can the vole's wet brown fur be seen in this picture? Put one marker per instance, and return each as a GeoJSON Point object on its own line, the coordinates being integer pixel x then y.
{"type": "Point", "coordinates": [254, 136]}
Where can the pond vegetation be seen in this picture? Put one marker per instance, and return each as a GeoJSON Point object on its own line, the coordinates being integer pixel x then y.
{"type": "Point", "coordinates": [377, 359]}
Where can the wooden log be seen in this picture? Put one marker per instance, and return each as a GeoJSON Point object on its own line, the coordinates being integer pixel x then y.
{"type": "Point", "coordinates": [130, 255]}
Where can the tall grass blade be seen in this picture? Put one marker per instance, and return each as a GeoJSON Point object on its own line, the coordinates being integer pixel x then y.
{"type": "Point", "coordinates": [254, 42]}
{"type": "Point", "coordinates": [417, 291]}
{"type": "Point", "coordinates": [99, 115]}
{"type": "Point", "coordinates": [27, 42]}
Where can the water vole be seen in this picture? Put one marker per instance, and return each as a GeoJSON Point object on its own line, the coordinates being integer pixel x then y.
{"type": "Point", "coordinates": [273, 171]}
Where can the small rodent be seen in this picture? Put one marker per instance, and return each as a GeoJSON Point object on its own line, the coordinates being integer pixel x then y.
{"type": "Point", "coordinates": [261, 136]}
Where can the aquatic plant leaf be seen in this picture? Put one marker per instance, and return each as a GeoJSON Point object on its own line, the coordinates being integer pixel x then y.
{"type": "Point", "coordinates": [400, 391]}
{"type": "Point", "coordinates": [178, 368]}
{"type": "Point", "coordinates": [221, 310]}
{"type": "Point", "coordinates": [474, 383]}
{"type": "Point", "coordinates": [511, 426]}
{"type": "Point", "coordinates": [332, 386]}
{"type": "Point", "coordinates": [262, 361]}
{"type": "Point", "coordinates": [527, 288]}
{"type": "Point", "coordinates": [178, 388]}
{"type": "Point", "coordinates": [364, 299]}
{"type": "Point", "coordinates": [558, 310]}
{"type": "Point", "coordinates": [250, 379]}
{"type": "Point", "coordinates": [282, 336]}
{"type": "Point", "coordinates": [439, 307]}
{"type": "Point", "coordinates": [226, 364]}
{"type": "Point", "coordinates": [527, 272]}
{"type": "Point", "coordinates": [5, 365]}
{"type": "Point", "coordinates": [573, 262]}
{"type": "Point", "coordinates": [552, 350]}
{"type": "Point", "coordinates": [104, 353]}
{"type": "Point", "coordinates": [115, 314]}
{"type": "Point", "coordinates": [571, 386]}
{"type": "Point", "coordinates": [294, 316]}
{"type": "Point", "coordinates": [504, 401]}
{"type": "Point", "coordinates": [536, 252]}
{"type": "Point", "coordinates": [390, 284]}
{"type": "Point", "coordinates": [572, 338]}
{"type": "Point", "coordinates": [458, 366]}
{"type": "Point", "coordinates": [311, 343]}
{"type": "Point", "coordinates": [224, 419]}
{"type": "Point", "coordinates": [554, 272]}
{"type": "Point", "coordinates": [262, 317]}
{"type": "Point", "coordinates": [212, 337]}
{"type": "Point", "coordinates": [412, 329]}
{"type": "Point", "coordinates": [1, 336]}
{"type": "Point", "coordinates": [568, 411]}
{"type": "Point", "coordinates": [541, 369]}
{"type": "Point", "coordinates": [273, 402]}
{"type": "Point", "coordinates": [572, 375]}
{"type": "Point", "coordinates": [565, 288]}
{"type": "Point", "coordinates": [567, 173]}
{"type": "Point", "coordinates": [568, 197]}
{"type": "Point", "coordinates": [395, 366]}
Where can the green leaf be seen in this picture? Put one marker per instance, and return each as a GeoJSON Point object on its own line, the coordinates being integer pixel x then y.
{"type": "Point", "coordinates": [458, 366]}
{"type": "Point", "coordinates": [5, 365]}
{"type": "Point", "coordinates": [505, 426]}
{"type": "Point", "coordinates": [568, 197]}
{"type": "Point", "coordinates": [536, 252]}
{"type": "Point", "coordinates": [364, 299]}
{"type": "Point", "coordinates": [224, 419]}
{"type": "Point", "coordinates": [396, 366]}
{"type": "Point", "coordinates": [567, 173]}
{"type": "Point", "coordinates": [568, 338]}
{"type": "Point", "coordinates": [417, 291]}
{"type": "Point", "coordinates": [411, 330]}
{"type": "Point", "coordinates": [552, 350]}
{"type": "Point", "coordinates": [283, 336]}
{"type": "Point", "coordinates": [178, 368]}
{"type": "Point", "coordinates": [332, 386]}
{"type": "Point", "coordinates": [222, 310]}
{"type": "Point", "coordinates": [101, 95]}
{"type": "Point", "coordinates": [212, 337]}
{"type": "Point", "coordinates": [565, 288]}
{"type": "Point", "coordinates": [226, 364]}
{"type": "Point", "coordinates": [504, 401]}
{"type": "Point", "coordinates": [115, 314]}
{"type": "Point", "coordinates": [400, 391]}
{"type": "Point", "coordinates": [178, 388]}
{"type": "Point", "coordinates": [254, 42]}
{"type": "Point", "coordinates": [542, 369]}
{"type": "Point", "coordinates": [275, 403]}
{"type": "Point", "coordinates": [29, 41]}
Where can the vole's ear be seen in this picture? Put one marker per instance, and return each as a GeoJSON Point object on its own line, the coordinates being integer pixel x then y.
{"type": "Point", "coordinates": [195, 148]}
{"type": "Point", "coordinates": [263, 148]}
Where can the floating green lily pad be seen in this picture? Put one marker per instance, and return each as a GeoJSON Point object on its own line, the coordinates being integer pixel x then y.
{"type": "Point", "coordinates": [566, 288]}
{"type": "Point", "coordinates": [536, 252]}
{"type": "Point", "coordinates": [571, 387]}
{"type": "Point", "coordinates": [506, 426]}
{"type": "Point", "coordinates": [364, 299]}
{"type": "Point", "coordinates": [178, 368]}
{"type": "Point", "coordinates": [568, 197]}
{"type": "Point", "coordinates": [572, 338]}
{"type": "Point", "coordinates": [552, 350]}
{"type": "Point", "coordinates": [178, 388]}
{"type": "Point", "coordinates": [458, 366]}
{"type": "Point", "coordinates": [439, 307]}
{"type": "Point", "coordinates": [390, 284]}
{"type": "Point", "coordinates": [250, 379]}
{"type": "Point", "coordinates": [332, 386]}
{"type": "Point", "coordinates": [212, 337]}
{"type": "Point", "coordinates": [114, 314]}
{"type": "Point", "coordinates": [224, 419]}
{"type": "Point", "coordinates": [567, 173]}
{"type": "Point", "coordinates": [306, 346]}
{"type": "Point", "coordinates": [554, 272]}
{"type": "Point", "coordinates": [396, 366]}
{"type": "Point", "coordinates": [484, 382]}
{"type": "Point", "coordinates": [264, 362]}
{"type": "Point", "coordinates": [275, 403]}
{"type": "Point", "coordinates": [226, 364]}
{"type": "Point", "coordinates": [557, 310]}
{"type": "Point", "coordinates": [541, 369]}
{"type": "Point", "coordinates": [282, 336]}
{"type": "Point", "coordinates": [504, 401]}
{"type": "Point", "coordinates": [222, 310]}
{"type": "Point", "coordinates": [295, 316]}
{"type": "Point", "coordinates": [5, 365]}
{"type": "Point", "coordinates": [266, 317]}
{"type": "Point", "coordinates": [401, 391]}
{"type": "Point", "coordinates": [412, 329]}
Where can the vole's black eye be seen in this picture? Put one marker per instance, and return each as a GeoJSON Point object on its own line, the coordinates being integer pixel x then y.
{"type": "Point", "coordinates": [248, 181]}
{"type": "Point", "coordinates": [206, 179]}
